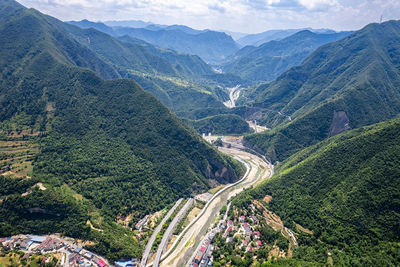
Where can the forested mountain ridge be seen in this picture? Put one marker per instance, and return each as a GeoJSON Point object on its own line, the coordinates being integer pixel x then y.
{"type": "Point", "coordinates": [346, 84]}
{"type": "Point", "coordinates": [345, 190]}
{"type": "Point", "coordinates": [106, 148]}
{"type": "Point", "coordinates": [221, 124]}
{"type": "Point", "coordinates": [267, 61]}
{"type": "Point", "coordinates": [66, 49]}
{"type": "Point", "coordinates": [139, 55]}
{"type": "Point", "coordinates": [211, 46]}
{"type": "Point", "coordinates": [184, 83]}
{"type": "Point", "coordinates": [258, 39]}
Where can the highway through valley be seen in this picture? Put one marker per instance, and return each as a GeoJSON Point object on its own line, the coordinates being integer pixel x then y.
{"type": "Point", "coordinates": [183, 248]}
{"type": "Point", "coordinates": [233, 96]}
{"type": "Point", "coordinates": [154, 235]}
{"type": "Point", "coordinates": [170, 230]}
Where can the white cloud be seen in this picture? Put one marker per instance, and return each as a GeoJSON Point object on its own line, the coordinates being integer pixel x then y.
{"type": "Point", "coordinates": [318, 4]}
{"type": "Point", "coordinates": [235, 15]}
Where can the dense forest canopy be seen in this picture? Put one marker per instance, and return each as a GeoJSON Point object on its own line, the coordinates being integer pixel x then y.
{"type": "Point", "coordinates": [346, 190]}
{"type": "Point", "coordinates": [106, 148]}
{"type": "Point", "coordinates": [358, 75]}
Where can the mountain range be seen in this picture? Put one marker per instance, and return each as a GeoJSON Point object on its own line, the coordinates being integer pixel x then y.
{"type": "Point", "coordinates": [340, 195]}
{"type": "Point", "coordinates": [183, 82]}
{"type": "Point", "coordinates": [91, 141]}
{"type": "Point", "coordinates": [101, 142]}
{"type": "Point", "coordinates": [267, 61]}
{"type": "Point", "coordinates": [211, 46]}
{"type": "Point", "coordinates": [128, 23]}
{"type": "Point", "coordinates": [258, 39]}
{"type": "Point", "coordinates": [345, 84]}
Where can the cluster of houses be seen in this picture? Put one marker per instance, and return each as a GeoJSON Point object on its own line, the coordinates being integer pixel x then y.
{"type": "Point", "coordinates": [203, 255]}
{"type": "Point", "coordinates": [139, 225]}
{"type": "Point", "coordinates": [250, 239]}
{"type": "Point", "coordinates": [73, 255]}
{"type": "Point", "coordinates": [130, 263]}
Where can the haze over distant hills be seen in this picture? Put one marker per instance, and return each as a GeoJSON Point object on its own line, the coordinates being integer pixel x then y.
{"type": "Point", "coordinates": [270, 35]}
{"type": "Point", "coordinates": [100, 123]}
{"type": "Point", "coordinates": [183, 82]}
{"type": "Point", "coordinates": [267, 61]}
{"type": "Point", "coordinates": [128, 23]}
{"type": "Point", "coordinates": [211, 46]}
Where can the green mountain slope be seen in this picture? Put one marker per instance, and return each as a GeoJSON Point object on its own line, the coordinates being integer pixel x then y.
{"type": "Point", "coordinates": [106, 148]}
{"type": "Point", "coordinates": [168, 75]}
{"type": "Point", "coordinates": [223, 124]}
{"type": "Point", "coordinates": [65, 49]}
{"type": "Point", "coordinates": [346, 84]}
{"type": "Point", "coordinates": [183, 82]}
{"type": "Point", "coordinates": [267, 61]}
{"type": "Point", "coordinates": [140, 56]}
{"type": "Point", "coordinates": [347, 191]}
{"type": "Point", "coordinates": [211, 46]}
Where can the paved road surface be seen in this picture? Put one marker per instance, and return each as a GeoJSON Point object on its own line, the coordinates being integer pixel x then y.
{"type": "Point", "coordinates": [296, 245]}
{"type": "Point", "coordinates": [170, 230]}
{"type": "Point", "coordinates": [257, 170]}
{"type": "Point", "coordinates": [232, 98]}
{"type": "Point", "coordinates": [154, 235]}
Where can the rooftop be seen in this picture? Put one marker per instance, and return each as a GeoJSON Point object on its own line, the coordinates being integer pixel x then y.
{"type": "Point", "coordinates": [123, 263]}
{"type": "Point", "coordinates": [101, 263]}
{"type": "Point", "coordinates": [37, 238]}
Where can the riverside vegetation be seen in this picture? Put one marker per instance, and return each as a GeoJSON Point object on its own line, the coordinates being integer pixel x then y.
{"type": "Point", "coordinates": [81, 148]}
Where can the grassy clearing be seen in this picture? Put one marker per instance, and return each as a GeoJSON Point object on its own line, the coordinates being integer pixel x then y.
{"type": "Point", "coordinates": [216, 189]}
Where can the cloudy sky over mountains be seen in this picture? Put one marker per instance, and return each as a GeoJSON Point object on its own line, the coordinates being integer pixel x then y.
{"type": "Point", "coordinates": [248, 16]}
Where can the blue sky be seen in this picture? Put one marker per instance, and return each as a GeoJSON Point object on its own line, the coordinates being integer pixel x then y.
{"type": "Point", "coordinates": [249, 16]}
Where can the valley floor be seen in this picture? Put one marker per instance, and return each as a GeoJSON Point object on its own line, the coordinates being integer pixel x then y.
{"type": "Point", "coordinates": [182, 252]}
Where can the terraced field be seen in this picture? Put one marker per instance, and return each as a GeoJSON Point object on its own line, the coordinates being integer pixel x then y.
{"type": "Point", "coordinates": [16, 157]}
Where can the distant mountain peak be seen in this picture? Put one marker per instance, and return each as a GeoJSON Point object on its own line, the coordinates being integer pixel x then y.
{"type": "Point", "coordinates": [211, 46]}
{"type": "Point", "coordinates": [270, 35]}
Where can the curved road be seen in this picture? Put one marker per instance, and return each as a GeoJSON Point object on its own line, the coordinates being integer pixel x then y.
{"type": "Point", "coordinates": [182, 250]}
{"type": "Point", "coordinates": [231, 102]}
{"type": "Point", "coordinates": [170, 230]}
{"type": "Point", "coordinates": [154, 235]}
{"type": "Point", "coordinates": [203, 211]}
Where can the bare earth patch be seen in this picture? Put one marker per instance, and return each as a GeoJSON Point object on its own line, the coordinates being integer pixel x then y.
{"type": "Point", "coordinates": [276, 253]}
{"type": "Point", "coordinates": [154, 217]}
{"type": "Point", "coordinates": [204, 197]}
{"type": "Point", "coordinates": [271, 218]}
{"type": "Point", "coordinates": [91, 226]}
{"type": "Point", "coordinates": [276, 223]}
{"type": "Point", "coordinates": [267, 198]}
{"type": "Point", "coordinates": [193, 213]}
{"type": "Point", "coordinates": [125, 220]}
{"type": "Point", "coordinates": [305, 230]}
{"type": "Point", "coordinates": [41, 186]}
